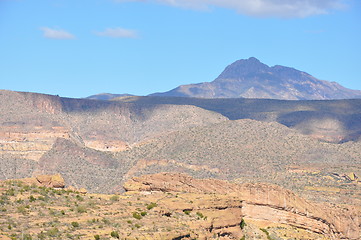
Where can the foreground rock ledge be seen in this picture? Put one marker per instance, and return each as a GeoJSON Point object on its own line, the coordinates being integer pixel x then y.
{"type": "Point", "coordinates": [258, 202]}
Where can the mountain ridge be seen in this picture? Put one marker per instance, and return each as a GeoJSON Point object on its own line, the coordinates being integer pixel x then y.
{"type": "Point", "coordinates": [250, 78]}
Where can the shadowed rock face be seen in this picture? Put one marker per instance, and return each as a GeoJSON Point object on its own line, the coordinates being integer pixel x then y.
{"type": "Point", "coordinates": [249, 78]}
{"type": "Point", "coordinates": [260, 202]}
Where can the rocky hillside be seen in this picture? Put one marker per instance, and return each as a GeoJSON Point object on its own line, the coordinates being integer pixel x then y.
{"type": "Point", "coordinates": [30, 123]}
{"type": "Point", "coordinates": [99, 145]}
{"type": "Point", "coordinates": [249, 78]}
{"type": "Point", "coordinates": [332, 120]}
{"type": "Point", "coordinates": [168, 206]}
{"type": "Point", "coordinates": [248, 150]}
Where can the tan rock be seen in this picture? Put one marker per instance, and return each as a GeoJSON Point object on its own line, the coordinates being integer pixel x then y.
{"type": "Point", "coordinates": [82, 190]}
{"type": "Point", "coordinates": [352, 176]}
{"type": "Point", "coordinates": [264, 202]}
{"type": "Point", "coordinates": [55, 181]}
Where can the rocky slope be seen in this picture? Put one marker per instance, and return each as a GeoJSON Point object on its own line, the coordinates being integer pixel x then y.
{"type": "Point", "coordinates": [248, 150]}
{"type": "Point", "coordinates": [332, 121]}
{"type": "Point", "coordinates": [249, 78]}
{"type": "Point", "coordinates": [30, 123]}
{"type": "Point", "coordinates": [169, 206]}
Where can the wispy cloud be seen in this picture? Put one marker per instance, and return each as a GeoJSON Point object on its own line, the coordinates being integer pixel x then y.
{"type": "Point", "coordinates": [118, 33]}
{"type": "Point", "coordinates": [260, 8]}
{"type": "Point", "coordinates": [56, 33]}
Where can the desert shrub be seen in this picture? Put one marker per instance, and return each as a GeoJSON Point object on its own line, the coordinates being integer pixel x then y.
{"type": "Point", "coordinates": [32, 198]}
{"type": "Point", "coordinates": [114, 234]}
{"type": "Point", "coordinates": [97, 237]}
{"type": "Point", "coordinates": [143, 213]}
{"type": "Point", "coordinates": [81, 209]}
{"type": "Point", "coordinates": [22, 209]}
{"type": "Point", "coordinates": [267, 233]}
{"type": "Point", "coordinates": [187, 211]}
{"type": "Point", "coordinates": [79, 198]}
{"type": "Point", "coordinates": [75, 224]}
{"type": "Point", "coordinates": [4, 199]}
{"type": "Point", "coordinates": [137, 225]}
{"type": "Point", "coordinates": [27, 236]}
{"type": "Point", "coordinates": [53, 232]}
{"type": "Point", "coordinates": [242, 224]}
{"type": "Point", "coordinates": [106, 221]}
{"type": "Point", "coordinates": [114, 198]}
{"type": "Point", "coordinates": [199, 214]}
{"type": "Point", "coordinates": [10, 192]}
{"type": "Point", "coordinates": [41, 198]}
{"type": "Point", "coordinates": [136, 215]}
{"type": "Point", "coordinates": [151, 205]}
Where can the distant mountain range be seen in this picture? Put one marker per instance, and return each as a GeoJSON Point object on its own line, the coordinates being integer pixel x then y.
{"type": "Point", "coordinates": [249, 78]}
{"type": "Point", "coordinates": [107, 96]}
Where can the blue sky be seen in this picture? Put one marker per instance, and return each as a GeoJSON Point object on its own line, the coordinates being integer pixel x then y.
{"type": "Point", "coordinates": [77, 48]}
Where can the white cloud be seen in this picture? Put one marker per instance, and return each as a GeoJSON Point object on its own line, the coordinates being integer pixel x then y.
{"type": "Point", "coordinates": [56, 33]}
{"type": "Point", "coordinates": [259, 8]}
{"type": "Point", "coordinates": [118, 33]}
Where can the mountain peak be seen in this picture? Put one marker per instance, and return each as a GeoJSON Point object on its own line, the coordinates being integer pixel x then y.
{"type": "Point", "coordinates": [243, 67]}
{"type": "Point", "coordinates": [250, 78]}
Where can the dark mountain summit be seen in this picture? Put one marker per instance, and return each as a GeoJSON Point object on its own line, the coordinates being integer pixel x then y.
{"type": "Point", "coordinates": [249, 78]}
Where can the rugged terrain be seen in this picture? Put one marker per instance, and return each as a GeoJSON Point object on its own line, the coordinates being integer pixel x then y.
{"type": "Point", "coordinates": [309, 147]}
{"type": "Point", "coordinates": [331, 120]}
{"type": "Point", "coordinates": [168, 206]}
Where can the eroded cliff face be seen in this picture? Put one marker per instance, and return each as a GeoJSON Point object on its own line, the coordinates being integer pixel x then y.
{"type": "Point", "coordinates": [30, 123]}
{"type": "Point", "coordinates": [30, 143]}
{"type": "Point", "coordinates": [262, 204]}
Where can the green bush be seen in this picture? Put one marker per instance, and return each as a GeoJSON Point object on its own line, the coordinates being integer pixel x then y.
{"type": "Point", "coordinates": [114, 234]}
{"type": "Point", "coordinates": [10, 192]}
{"type": "Point", "coordinates": [186, 211]}
{"type": "Point", "coordinates": [32, 198]}
{"type": "Point", "coordinates": [136, 215]}
{"type": "Point", "coordinates": [151, 205]}
{"type": "Point", "coordinates": [79, 198]}
{"type": "Point", "coordinates": [81, 209]}
{"type": "Point", "coordinates": [22, 209]}
{"type": "Point", "coordinates": [54, 232]}
{"type": "Point", "coordinates": [114, 198]}
{"type": "Point", "coordinates": [75, 224]}
{"type": "Point", "coordinates": [143, 214]}
{"type": "Point", "coordinates": [97, 237]}
{"type": "Point", "coordinates": [267, 233]}
{"type": "Point", "coordinates": [242, 224]}
{"type": "Point", "coordinates": [199, 214]}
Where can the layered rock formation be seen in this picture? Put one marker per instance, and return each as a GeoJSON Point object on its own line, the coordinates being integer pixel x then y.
{"type": "Point", "coordinates": [170, 206]}
{"type": "Point", "coordinates": [260, 202]}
